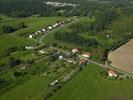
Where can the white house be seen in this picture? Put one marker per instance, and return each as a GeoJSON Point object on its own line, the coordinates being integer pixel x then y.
{"type": "Point", "coordinates": [60, 57]}
{"type": "Point", "coordinates": [43, 30]}
{"type": "Point", "coordinates": [54, 26]}
{"type": "Point", "coordinates": [30, 36]}
{"type": "Point", "coordinates": [41, 51]}
{"type": "Point", "coordinates": [50, 27]}
{"type": "Point", "coordinates": [29, 47]}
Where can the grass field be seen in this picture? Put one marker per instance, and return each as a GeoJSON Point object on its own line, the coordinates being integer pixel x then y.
{"type": "Point", "coordinates": [90, 85]}
{"type": "Point", "coordinates": [122, 58]}
{"type": "Point", "coordinates": [33, 86]}
{"type": "Point", "coordinates": [87, 84]}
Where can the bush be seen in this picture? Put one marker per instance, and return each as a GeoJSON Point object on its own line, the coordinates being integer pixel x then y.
{"type": "Point", "coordinates": [7, 29]}
{"type": "Point", "coordinates": [17, 73]}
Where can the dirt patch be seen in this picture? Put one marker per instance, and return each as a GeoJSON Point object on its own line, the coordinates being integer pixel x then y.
{"type": "Point", "coordinates": [118, 98]}
{"type": "Point", "coordinates": [122, 58]}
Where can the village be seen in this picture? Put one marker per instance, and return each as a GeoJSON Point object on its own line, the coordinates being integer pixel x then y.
{"type": "Point", "coordinates": [59, 4]}
{"type": "Point", "coordinates": [75, 60]}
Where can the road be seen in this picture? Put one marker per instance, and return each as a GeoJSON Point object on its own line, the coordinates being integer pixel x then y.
{"type": "Point", "coordinates": [40, 41]}
{"type": "Point", "coordinates": [106, 67]}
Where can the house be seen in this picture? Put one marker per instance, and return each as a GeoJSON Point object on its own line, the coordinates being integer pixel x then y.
{"type": "Point", "coordinates": [50, 27]}
{"type": "Point", "coordinates": [30, 36]}
{"type": "Point", "coordinates": [56, 24]}
{"type": "Point", "coordinates": [39, 31]}
{"type": "Point", "coordinates": [29, 47]}
{"type": "Point", "coordinates": [112, 73]}
{"type": "Point", "coordinates": [43, 30]}
{"type": "Point", "coordinates": [69, 61]}
{"type": "Point", "coordinates": [41, 51]}
{"type": "Point", "coordinates": [82, 62]}
{"type": "Point", "coordinates": [86, 55]}
{"type": "Point", "coordinates": [61, 57]}
{"type": "Point", "coordinates": [108, 36]}
{"type": "Point", "coordinates": [36, 33]}
{"type": "Point", "coordinates": [75, 50]}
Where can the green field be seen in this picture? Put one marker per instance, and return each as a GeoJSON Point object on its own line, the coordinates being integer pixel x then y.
{"type": "Point", "coordinates": [33, 86]}
{"type": "Point", "coordinates": [90, 85]}
{"type": "Point", "coordinates": [87, 84]}
{"type": "Point", "coordinates": [19, 39]}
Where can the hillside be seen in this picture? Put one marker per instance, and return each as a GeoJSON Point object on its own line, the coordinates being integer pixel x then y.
{"type": "Point", "coordinates": [58, 49]}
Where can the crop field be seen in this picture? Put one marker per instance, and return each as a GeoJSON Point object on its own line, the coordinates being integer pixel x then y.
{"type": "Point", "coordinates": [122, 58]}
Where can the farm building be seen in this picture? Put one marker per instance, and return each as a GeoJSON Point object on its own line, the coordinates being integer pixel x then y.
{"type": "Point", "coordinates": [112, 73]}
{"type": "Point", "coordinates": [75, 50]}
{"type": "Point", "coordinates": [39, 31]}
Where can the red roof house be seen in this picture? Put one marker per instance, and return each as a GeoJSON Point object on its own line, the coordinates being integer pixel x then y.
{"type": "Point", "coordinates": [112, 73]}
{"type": "Point", "coordinates": [86, 55]}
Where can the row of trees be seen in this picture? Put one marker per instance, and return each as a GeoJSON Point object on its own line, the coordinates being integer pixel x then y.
{"type": "Point", "coordinates": [10, 29]}
{"type": "Point", "coordinates": [76, 39]}
{"type": "Point", "coordinates": [101, 22]}
{"type": "Point", "coordinates": [24, 8]}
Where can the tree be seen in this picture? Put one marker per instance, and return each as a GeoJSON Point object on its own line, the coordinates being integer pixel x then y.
{"type": "Point", "coordinates": [21, 26]}
{"type": "Point", "coordinates": [7, 29]}
{"type": "Point", "coordinates": [13, 62]}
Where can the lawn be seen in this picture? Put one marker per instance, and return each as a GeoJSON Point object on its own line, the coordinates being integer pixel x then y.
{"type": "Point", "coordinates": [90, 85]}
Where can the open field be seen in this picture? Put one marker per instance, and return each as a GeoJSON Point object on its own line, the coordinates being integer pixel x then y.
{"type": "Point", "coordinates": [87, 84]}
{"type": "Point", "coordinates": [27, 90]}
{"type": "Point", "coordinates": [90, 85]}
{"type": "Point", "coordinates": [122, 58]}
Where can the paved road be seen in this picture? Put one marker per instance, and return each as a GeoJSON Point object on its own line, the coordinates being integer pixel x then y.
{"type": "Point", "coordinates": [104, 66]}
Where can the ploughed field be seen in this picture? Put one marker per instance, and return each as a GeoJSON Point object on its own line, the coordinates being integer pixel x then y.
{"type": "Point", "coordinates": [122, 58]}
